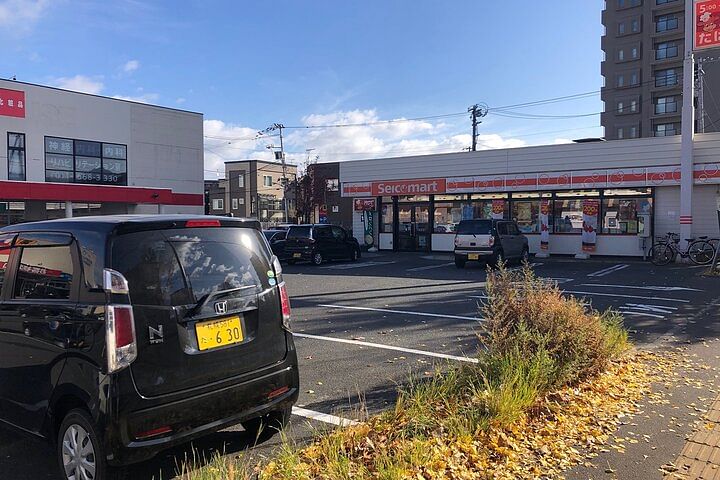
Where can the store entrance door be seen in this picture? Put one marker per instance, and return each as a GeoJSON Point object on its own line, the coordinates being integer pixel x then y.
{"type": "Point", "coordinates": [413, 228]}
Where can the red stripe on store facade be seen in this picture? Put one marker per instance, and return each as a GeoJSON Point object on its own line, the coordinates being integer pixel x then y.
{"type": "Point", "coordinates": [10, 190]}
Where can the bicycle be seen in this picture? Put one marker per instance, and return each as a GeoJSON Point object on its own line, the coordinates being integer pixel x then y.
{"type": "Point", "coordinates": [700, 251]}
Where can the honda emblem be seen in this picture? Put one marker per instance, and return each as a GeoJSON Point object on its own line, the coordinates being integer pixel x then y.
{"type": "Point", "coordinates": [221, 307]}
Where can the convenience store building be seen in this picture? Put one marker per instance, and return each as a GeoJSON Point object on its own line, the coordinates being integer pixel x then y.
{"type": "Point", "coordinates": [627, 190]}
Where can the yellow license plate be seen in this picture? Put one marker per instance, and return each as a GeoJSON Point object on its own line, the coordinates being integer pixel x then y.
{"type": "Point", "coordinates": [218, 333]}
{"type": "Point", "coordinates": [297, 255]}
{"type": "Point", "coordinates": [473, 256]}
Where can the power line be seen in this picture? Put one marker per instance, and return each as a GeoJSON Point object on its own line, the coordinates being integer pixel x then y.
{"type": "Point", "coordinates": [379, 122]}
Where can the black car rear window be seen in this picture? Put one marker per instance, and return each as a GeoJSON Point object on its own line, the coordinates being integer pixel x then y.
{"type": "Point", "coordinates": [474, 227]}
{"type": "Point", "coordinates": [299, 232]}
{"type": "Point", "coordinates": [179, 267]}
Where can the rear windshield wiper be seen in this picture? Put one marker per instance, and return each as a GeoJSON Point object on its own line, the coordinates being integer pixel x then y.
{"type": "Point", "coordinates": [205, 299]}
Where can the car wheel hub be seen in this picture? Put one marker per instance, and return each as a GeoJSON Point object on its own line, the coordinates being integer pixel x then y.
{"type": "Point", "coordinates": [78, 454]}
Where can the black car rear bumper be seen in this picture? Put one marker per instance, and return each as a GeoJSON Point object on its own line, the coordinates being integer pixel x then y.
{"type": "Point", "coordinates": [202, 414]}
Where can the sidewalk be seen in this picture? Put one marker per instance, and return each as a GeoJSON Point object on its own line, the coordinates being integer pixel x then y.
{"type": "Point", "coordinates": [701, 456]}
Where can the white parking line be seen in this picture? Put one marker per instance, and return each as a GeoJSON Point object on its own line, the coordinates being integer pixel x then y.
{"type": "Point", "coordinates": [659, 288]}
{"type": "Point", "coordinates": [619, 295]}
{"type": "Point", "coordinates": [643, 314]}
{"type": "Point", "coordinates": [608, 271]}
{"type": "Point", "coordinates": [402, 312]}
{"type": "Point", "coordinates": [429, 267]}
{"type": "Point", "coordinates": [348, 266]}
{"type": "Point", "coordinates": [388, 347]}
{"type": "Point", "coordinates": [649, 308]}
{"type": "Point", "coordinates": [323, 417]}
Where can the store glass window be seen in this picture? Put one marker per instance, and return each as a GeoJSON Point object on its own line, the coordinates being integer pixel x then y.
{"type": "Point", "coordinates": [82, 161]}
{"type": "Point", "coordinates": [16, 156]}
{"type": "Point", "coordinates": [387, 218]}
{"type": "Point", "coordinates": [620, 215]}
{"type": "Point", "coordinates": [449, 211]}
{"type": "Point", "coordinates": [490, 205]}
{"type": "Point", "coordinates": [525, 210]}
{"type": "Point", "coordinates": [568, 210]}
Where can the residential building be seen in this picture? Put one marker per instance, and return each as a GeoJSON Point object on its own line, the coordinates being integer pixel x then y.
{"type": "Point", "coordinates": [328, 205]}
{"type": "Point", "coordinates": [644, 48]}
{"type": "Point", "coordinates": [254, 188]}
{"type": "Point", "coordinates": [66, 153]}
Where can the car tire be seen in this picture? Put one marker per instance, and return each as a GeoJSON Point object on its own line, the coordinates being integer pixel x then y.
{"type": "Point", "coordinates": [354, 255]}
{"type": "Point", "coordinates": [265, 427]}
{"type": "Point", "coordinates": [317, 258]}
{"type": "Point", "coordinates": [460, 261]}
{"type": "Point", "coordinates": [79, 446]}
{"type": "Point", "coordinates": [525, 257]}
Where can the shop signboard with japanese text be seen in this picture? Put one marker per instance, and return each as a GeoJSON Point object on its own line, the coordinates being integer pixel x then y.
{"type": "Point", "coordinates": [364, 204]}
{"type": "Point", "coordinates": [544, 225]}
{"type": "Point", "coordinates": [707, 24]}
{"type": "Point", "coordinates": [12, 103]}
{"type": "Point", "coordinates": [591, 209]}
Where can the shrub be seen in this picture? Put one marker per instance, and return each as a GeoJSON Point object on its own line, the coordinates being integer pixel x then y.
{"type": "Point", "coordinates": [530, 315]}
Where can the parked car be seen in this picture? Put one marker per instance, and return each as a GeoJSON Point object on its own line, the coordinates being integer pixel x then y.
{"type": "Point", "coordinates": [276, 239]}
{"type": "Point", "coordinates": [491, 241]}
{"type": "Point", "coordinates": [121, 336]}
{"type": "Point", "coordinates": [318, 243]}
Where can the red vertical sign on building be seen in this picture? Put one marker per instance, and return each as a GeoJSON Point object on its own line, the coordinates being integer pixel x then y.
{"type": "Point", "coordinates": [707, 24]}
{"type": "Point", "coordinates": [12, 103]}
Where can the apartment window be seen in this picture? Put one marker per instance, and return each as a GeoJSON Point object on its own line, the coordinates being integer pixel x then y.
{"type": "Point", "coordinates": [218, 204]}
{"type": "Point", "coordinates": [620, 81]}
{"type": "Point", "coordinates": [635, 25]}
{"type": "Point", "coordinates": [665, 105]}
{"type": "Point", "coordinates": [635, 53]}
{"type": "Point", "coordinates": [241, 201]}
{"type": "Point", "coordinates": [620, 133]}
{"type": "Point", "coordinates": [633, 106]}
{"type": "Point", "coordinates": [16, 156]}
{"type": "Point", "coordinates": [667, 77]}
{"type": "Point", "coordinates": [632, 132]}
{"type": "Point", "coordinates": [634, 78]}
{"type": "Point", "coordinates": [665, 23]}
{"type": "Point", "coordinates": [234, 203]}
{"type": "Point", "coordinates": [620, 107]}
{"type": "Point", "coordinates": [241, 180]}
{"type": "Point", "coordinates": [663, 2]}
{"type": "Point", "coordinates": [332, 184]}
{"type": "Point", "coordinates": [628, 3]}
{"type": "Point", "coordinates": [621, 55]}
{"type": "Point", "coordinates": [267, 180]}
{"type": "Point", "coordinates": [666, 129]}
{"type": "Point", "coordinates": [666, 50]}
{"type": "Point", "coordinates": [621, 28]}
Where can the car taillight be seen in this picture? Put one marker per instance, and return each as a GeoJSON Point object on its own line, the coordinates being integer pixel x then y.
{"type": "Point", "coordinates": [285, 306]}
{"type": "Point", "coordinates": [491, 242]}
{"type": "Point", "coordinates": [202, 223]}
{"type": "Point", "coordinates": [120, 337]}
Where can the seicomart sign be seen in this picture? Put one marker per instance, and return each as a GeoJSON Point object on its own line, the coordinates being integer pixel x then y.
{"type": "Point", "coordinates": [408, 187]}
{"type": "Point", "coordinates": [707, 24]}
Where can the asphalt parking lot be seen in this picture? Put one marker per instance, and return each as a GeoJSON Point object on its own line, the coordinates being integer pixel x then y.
{"type": "Point", "coordinates": [362, 328]}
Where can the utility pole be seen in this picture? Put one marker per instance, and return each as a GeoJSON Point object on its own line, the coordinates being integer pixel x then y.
{"type": "Point", "coordinates": [476, 112]}
{"type": "Point", "coordinates": [688, 126]}
{"type": "Point", "coordinates": [699, 81]}
{"type": "Point", "coordinates": [279, 127]}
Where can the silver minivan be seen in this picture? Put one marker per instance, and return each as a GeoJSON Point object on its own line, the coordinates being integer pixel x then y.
{"type": "Point", "coordinates": [491, 241]}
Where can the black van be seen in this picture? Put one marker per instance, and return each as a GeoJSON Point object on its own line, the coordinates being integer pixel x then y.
{"type": "Point", "coordinates": [321, 242]}
{"type": "Point", "coordinates": [121, 336]}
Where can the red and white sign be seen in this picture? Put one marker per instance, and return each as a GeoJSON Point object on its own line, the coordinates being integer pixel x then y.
{"type": "Point", "coordinates": [364, 205]}
{"type": "Point", "coordinates": [544, 225]}
{"type": "Point", "coordinates": [361, 189]}
{"type": "Point", "coordinates": [409, 187]}
{"type": "Point", "coordinates": [590, 225]}
{"type": "Point", "coordinates": [12, 103]}
{"type": "Point", "coordinates": [707, 24]}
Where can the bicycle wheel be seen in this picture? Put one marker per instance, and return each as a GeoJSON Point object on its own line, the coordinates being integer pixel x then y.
{"type": "Point", "coordinates": [701, 252]}
{"type": "Point", "coordinates": [661, 254]}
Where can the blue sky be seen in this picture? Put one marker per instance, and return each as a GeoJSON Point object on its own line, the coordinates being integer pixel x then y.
{"type": "Point", "coordinates": [246, 65]}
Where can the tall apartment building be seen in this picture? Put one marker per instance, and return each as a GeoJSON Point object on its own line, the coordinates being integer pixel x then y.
{"type": "Point", "coordinates": [252, 188]}
{"type": "Point", "coordinates": [643, 70]}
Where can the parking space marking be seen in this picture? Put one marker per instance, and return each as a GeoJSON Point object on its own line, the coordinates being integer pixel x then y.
{"type": "Point", "coordinates": [608, 270]}
{"type": "Point", "coordinates": [659, 288]}
{"type": "Point", "coordinates": [323, 417]}
{"type": "Point", "coordinates": [388, 347]}
{"type": "Point", "coordinates": [649, 308]}
{"type": "Point", "coordinates": [642, 314]}
{"type": "Point", "coordinates": [619, 295]}
{"type": "Point", "coordinates": [429, 267]}
{"type": "Point", "coordinates": [348, 266]}
{"type": "Point", "coordinates": [403, 312]}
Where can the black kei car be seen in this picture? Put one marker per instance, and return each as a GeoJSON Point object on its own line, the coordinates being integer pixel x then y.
{"type": "Point", "coordinates": [320, 242]}
{"type": "Point", "coordinates": [276, 239]}
{"type": "Point", "coordinates": [121, 336]}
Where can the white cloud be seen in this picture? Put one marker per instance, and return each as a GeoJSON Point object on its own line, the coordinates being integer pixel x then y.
{"type": "Point", "coordinates": [80, 83]}
{"type": "Point", "coordinates": [21, 14]}
{"type": "Point", "coordinates": [130, 66]}
{"type": "Point", "coordinates": [180, 100]}
{"type": "Point", "coordinates": [226, 142]}
{"type": "Point", "coordinates": [487, 142]}
{"type": "Point", "coordinates": [562, 141]}
{"type": "Point", "coordinates": [144, 98]}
